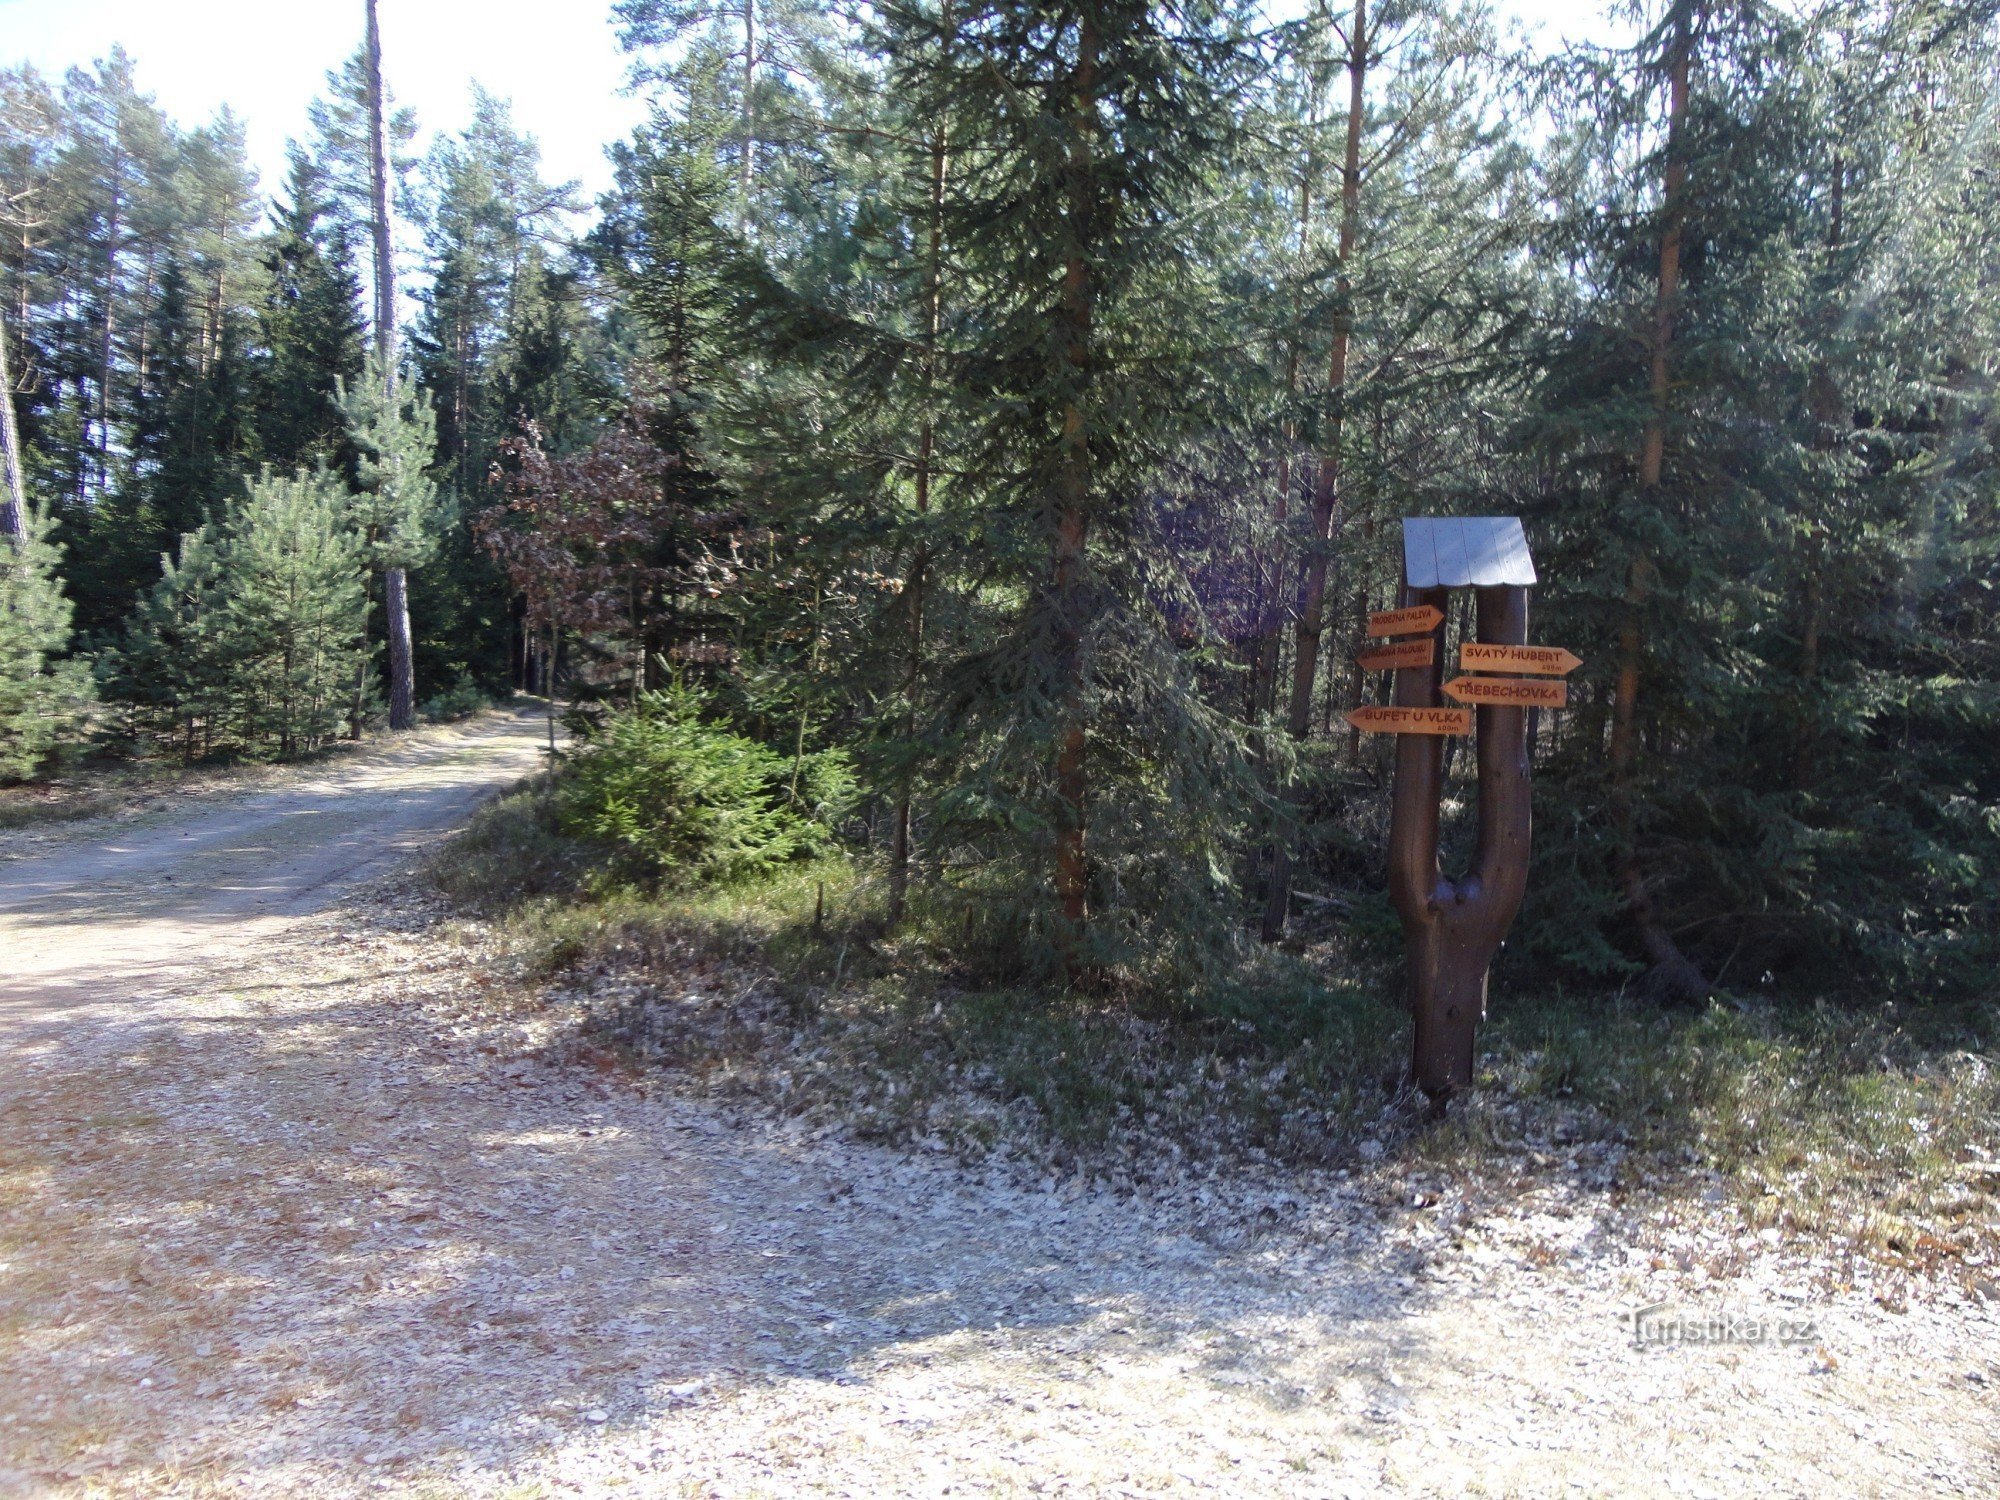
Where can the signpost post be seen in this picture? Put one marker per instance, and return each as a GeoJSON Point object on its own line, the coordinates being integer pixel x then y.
{"type": "Point", "coordinates": [1452, 927]}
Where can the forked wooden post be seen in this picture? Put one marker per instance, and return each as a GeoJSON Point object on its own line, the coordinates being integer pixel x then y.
{"type": "Point", "coordinates": [1453, 927]}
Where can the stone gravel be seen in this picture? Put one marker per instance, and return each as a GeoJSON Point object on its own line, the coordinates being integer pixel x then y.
{"type": "Point", "coordinates": [313, 1213]}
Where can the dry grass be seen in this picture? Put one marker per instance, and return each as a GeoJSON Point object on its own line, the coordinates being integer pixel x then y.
{"type": "Point", "coordinates": [41, 805]}
{"type": "Point", "coordinates": [1878, 1130]}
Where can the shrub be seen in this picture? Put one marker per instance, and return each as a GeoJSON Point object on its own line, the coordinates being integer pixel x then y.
{"type": "Point", "coordinates": [682, 801]}
{"type": "Point", "coordinates": [461, 700]}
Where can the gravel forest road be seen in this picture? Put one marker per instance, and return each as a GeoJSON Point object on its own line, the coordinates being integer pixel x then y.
{"type": "Point", "coordinates": [287, 1209]}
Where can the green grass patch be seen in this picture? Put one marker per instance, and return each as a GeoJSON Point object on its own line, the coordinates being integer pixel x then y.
{"type": "Point", "coordinates": [1875, 1124]}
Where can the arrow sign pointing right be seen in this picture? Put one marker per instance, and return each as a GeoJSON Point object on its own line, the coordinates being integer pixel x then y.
{"type": "Point", "coordinates": [1536, 661]}
{"type": "Point", "coordinates": [1412, 621]}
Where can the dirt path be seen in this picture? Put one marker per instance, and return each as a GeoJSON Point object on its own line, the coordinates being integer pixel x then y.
{"type": "Point", "coordinates": [286, 1210]}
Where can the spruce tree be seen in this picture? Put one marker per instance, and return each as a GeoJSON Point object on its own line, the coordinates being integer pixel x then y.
{"type": "Point", "coordinates": [311, 330]}
{"type": "Point", "coordinates": [1092, 339]}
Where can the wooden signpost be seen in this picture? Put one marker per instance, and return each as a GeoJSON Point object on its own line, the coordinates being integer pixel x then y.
{"type": "Point", "coordinates": [1536, 661]}
{"type": "Point", "coordinates": [1416, 621]}
{"type": "Point", "coordinates": [1524, 691]}
{"type": "Point", "coordinates": [1379, 720]}
{"type": "Point", "coordinates": [1453, 927]}
{"type": "Point", "coordinates": [1416, 653]}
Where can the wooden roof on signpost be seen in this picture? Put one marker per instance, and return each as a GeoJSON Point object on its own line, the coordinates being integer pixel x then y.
{"type": "Point", "coordinates": [1456, 552]}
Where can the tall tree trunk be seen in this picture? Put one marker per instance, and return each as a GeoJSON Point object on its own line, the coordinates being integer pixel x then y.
{"type": "Point", "coordinates": [549, 688]}
{"type": "Point", "coordinates": [899, 841]}
{"type": "Point", "coordinates": [1672, 973]}
{"type": "Point", "coordinates": [396, 602]}
{"type": "Point", "coordinates": [113, 249]}
{"type": "Point", "coordinates": [358, 707]}
{"type": "Point", "coordinates": [14, 504]}
{"type": "Point", "coordinates": [1072, 525]}
{"type": "Point", "coordinates": [378, 199]}
{"type": "Point", "coordinates": [1271, 578]}
{"type": "Point", "coordinates": [1829, 415]}
{"type": "Point", "coordinates": [748, 166]}
{"type": "Point", "coordinates": [1326, 482]}
{"type": "Point", "coordinates": [402, 686]}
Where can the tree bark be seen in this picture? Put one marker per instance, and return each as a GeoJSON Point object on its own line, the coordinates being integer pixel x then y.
{"type": "Point", "coordinates": [1326, 482]}
{"type": "Point", "coordinates": [1829, 415]}
{"type": "Point", "coordinates": [402, 685]}
{"type": "Point", "coordinates": [1271, 578]}
{"type": "Point", "coordinates": [1072, 526]}
{"type": "Point", "coordinates": [549, 688]}
{"type": "Point", "coordinates": [378, 199]}
{"type": "Point", "coordinates": [1452, 928]}
{"type": "Point", "coordinates": [748, 166]}
{"type": "Point", "coordinates": [14, 510]}
{"type": "Point", "coordinates": [396, 599]}
{"type": "Point", "coordinates": [113, 248]}
{"type": "Point", "coordinates": [899, 842]}
{"type": "Point", "coordinates": [1672, 971]}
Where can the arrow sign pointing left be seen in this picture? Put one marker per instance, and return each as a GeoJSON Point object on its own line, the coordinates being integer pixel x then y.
{"type": "Point", "coordinates": [1418, 652]}
{"type": "Point", "coordinates": [1395, 719]}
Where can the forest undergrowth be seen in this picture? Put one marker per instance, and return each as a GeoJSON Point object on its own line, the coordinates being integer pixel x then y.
{"type": "Point", "coordinates": [1865, 1126]}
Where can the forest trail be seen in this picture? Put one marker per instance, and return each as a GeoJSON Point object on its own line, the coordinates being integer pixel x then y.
{"type": "Point", "coordinates": [282, 1212]}
{"type": "Point", "coordinates": [143, 903]}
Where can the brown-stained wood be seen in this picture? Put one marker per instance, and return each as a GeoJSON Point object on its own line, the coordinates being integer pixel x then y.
{"type": "Point", "coordinates": [1525, 691]}
{"type": "Point", "coordinates": [1374, 720]}
{"type": "Point", "coordinates": [1453, 927]}
{"type": "Point", "coordinates": [1415, 621]}
{"type": "Point", "coordinates": [1535, 661]}
{"type": "Point", "coordinates": [1417, 653]}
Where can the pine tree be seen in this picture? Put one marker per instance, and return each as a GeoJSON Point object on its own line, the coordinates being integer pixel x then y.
{"type": "Point", "coordinates": [173, 667]}
{"type": "Point", "coordinates": [753, 60]}
{"type": "Point", "coordinates": [490, 220]}
{"type": "Point", "coordinates": [194, 439]}
{"type": "Point", "coordinates": [341, 147]}
{"type": "Point", "coordinates": [293, 609]}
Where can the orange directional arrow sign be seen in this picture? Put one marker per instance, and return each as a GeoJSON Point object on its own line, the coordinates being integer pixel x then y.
{"type": "Point", "coordinates": [1417, 653]}
{"type": "Point", "coordinates": [1537, 661]}
{"type": "Point", "coordinates": [1520, 692]}
{"type": "Point", "coordinates": [1412, 621]}
{"type": "Point", "coordinates": [1379, 720]}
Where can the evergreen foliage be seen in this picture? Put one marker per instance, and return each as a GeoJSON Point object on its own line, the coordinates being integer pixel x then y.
{"type": "Point", "coordinates": [395, 507]}
{"type": "Point", "coordinates": [1019, 397]}
{"type": "Point", "coordinates": [43, 697]}
{"type": "Point", "coordinates": [311, 330]}
{"type": "Point", "coordinates": [251, 639]}
{"type": "Point", "coordinates": [685, 801]}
